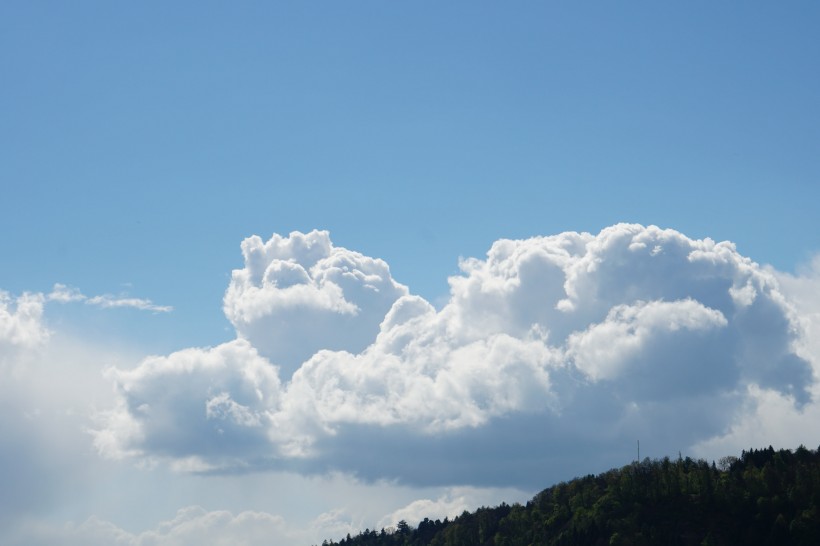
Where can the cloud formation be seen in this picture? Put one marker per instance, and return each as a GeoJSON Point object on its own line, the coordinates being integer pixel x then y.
{"type": "Point", "coordinates": [558, 351]}
{"type": "Point", "coordinates": [21, 327]}
{"type": "Point", "coordinates": [66, 294]}
{"type": "Point", "coordinates": [38, 449]}
{"type": "Point", "coordinates": [299, 294]}
{"type": "Point", "coordinates": [448, 505]}
{"type": "Point", "coordinates": [225, 396]}
{"type": "Point", "coordinates": [192, 525]}
{"type": "Point", "coordinates": [43, 423]}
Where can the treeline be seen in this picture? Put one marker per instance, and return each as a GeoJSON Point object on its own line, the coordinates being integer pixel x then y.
{"type": "Point", "coordinates": [762, 497]}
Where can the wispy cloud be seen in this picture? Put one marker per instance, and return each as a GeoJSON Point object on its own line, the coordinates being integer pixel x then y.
{"type": "Point", "coordinates": [108, 301]}
{"type": "Point", "coordinates": [66, 294]}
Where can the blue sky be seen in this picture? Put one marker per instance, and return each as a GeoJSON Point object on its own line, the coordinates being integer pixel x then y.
{"type": "Point", "coordinates": [141, 143]}
{"type": "Point", "coordinates": [145, 138]}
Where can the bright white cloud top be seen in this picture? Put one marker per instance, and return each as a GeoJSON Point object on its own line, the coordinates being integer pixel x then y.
{"type": "Point", "coordinates": [297, 295]}
{"type": "Point", "coordinates": [552, 354]}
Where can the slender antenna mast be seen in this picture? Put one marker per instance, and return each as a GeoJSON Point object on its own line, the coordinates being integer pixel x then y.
{"type": "Point", "coordinates": [639, 451]}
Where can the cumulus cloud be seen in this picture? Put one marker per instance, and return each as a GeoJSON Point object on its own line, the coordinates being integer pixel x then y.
{"type": "Point", "coordinates": [21, 327]}
{"type": "Point", "coordinates": [224, 396]}
{"type": "Point", "coordinates": [61, 293]}
{"type": "Point", "coordinates": [622, 339]}
{"type": "Point", "coordinates": [769, 416]}
{"type": "Point", "coordinates": [449, 504]}
{"type": "Point", "coordinates": [803, 292]}
{"type": "Point", "coordinates": [299, 294]}
{"type": "Point", "coordinates": [551, 352]}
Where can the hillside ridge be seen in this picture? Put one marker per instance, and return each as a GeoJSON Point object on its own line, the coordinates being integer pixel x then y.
{"type": "Point", "coordinates": [764, 496]}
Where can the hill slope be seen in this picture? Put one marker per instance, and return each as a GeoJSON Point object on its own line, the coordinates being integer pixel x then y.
{"type": "Point", "coordinates": [763, 497]}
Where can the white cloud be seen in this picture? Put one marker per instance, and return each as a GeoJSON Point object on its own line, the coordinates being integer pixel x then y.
{"type": "Point", "coordinates": [426, 508]}
{"type": "Point", "coordinates": [803, 292]}
{"type": "Point", "coordinates": [66, 294]}
{"type": "Point", "coordinates": [26, 470]}
{"type": "Point", "coordinates": [107, 302]}
{"type": "Point", "coordinates": [50, 475]}
{"type": "Point", "coordinates": [195, 404]}
{"type": "Point", "coordinates": [192, 526]}
{"type": "Point", "coordinates": [48, 389]}
{"type": "Point", "coordinates": [554, 351]}
{"type": "Point", "coordinates": [768, 416]}
{"type": "Point", "coordinates": [305, 511]}
{"type": "Point", "coordinates": [299, 294]}
{"type": "Point", "coordinates": [448, 505]}
{"type": "Point", "coordinates": [604, 349]}
{"type": "Point", "coordinates": [21, 326]}
{"type": "Point", "coordinates": [550, 358]}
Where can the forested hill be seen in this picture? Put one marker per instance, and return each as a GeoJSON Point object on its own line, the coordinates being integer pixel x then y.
{"type": "Point", "coordinates": [762, 497]}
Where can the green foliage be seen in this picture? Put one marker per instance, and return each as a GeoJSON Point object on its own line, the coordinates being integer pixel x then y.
{"type": "Point", "coordinates": [764, 497]}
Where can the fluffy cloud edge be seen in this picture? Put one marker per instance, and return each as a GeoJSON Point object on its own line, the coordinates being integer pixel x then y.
{"type": "Point", "coordinates": [549, 326]}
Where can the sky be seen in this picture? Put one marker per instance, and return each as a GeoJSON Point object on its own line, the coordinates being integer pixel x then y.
{"type": "Point", "coordinates": [277, 272]}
